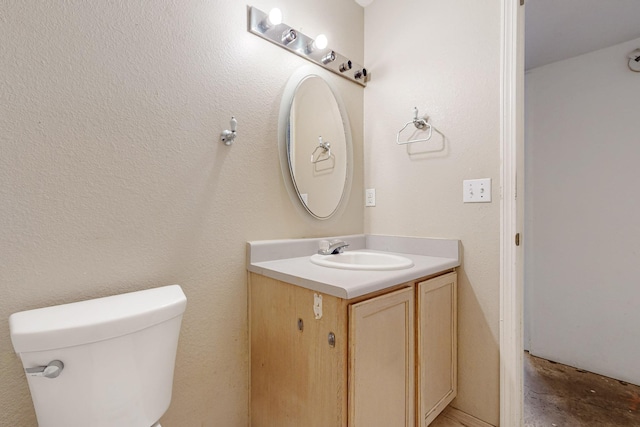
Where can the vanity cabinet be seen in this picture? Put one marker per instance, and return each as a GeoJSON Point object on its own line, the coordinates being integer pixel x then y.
{"type": "Point", "coordinates": [386, 359]}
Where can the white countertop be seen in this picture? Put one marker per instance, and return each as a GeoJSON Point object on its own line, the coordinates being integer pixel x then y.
{"type": "Point", "coordinates": [280, 260]}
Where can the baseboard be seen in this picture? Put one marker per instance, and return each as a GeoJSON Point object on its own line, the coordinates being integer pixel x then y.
{"type": "Point", "coordinates": [464, 418]}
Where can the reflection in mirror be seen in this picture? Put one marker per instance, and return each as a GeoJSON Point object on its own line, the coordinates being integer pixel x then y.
{"type": "Point", "coordinates": [318, 150]}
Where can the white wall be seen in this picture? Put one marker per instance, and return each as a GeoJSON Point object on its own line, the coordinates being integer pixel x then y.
{"type": "Point", "coordinates": [113, 177]}
{"type": "Point", "coordinates": [442, 56]}
{"type": "Point", "coordinates": [583, 149]}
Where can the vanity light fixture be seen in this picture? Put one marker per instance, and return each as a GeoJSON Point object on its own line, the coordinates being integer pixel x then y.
{"type": "Point", "coordinates": [270, 27]}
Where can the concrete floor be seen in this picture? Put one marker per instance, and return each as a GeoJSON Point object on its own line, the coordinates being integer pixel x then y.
{"type": "Point", "coordinates": [557, 395]}
{"type": "Point", "coordinates": [560, 395]}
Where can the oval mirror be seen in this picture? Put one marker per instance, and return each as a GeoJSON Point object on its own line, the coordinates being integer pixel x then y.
{"type": "Point", "coordinates": [316, 140]}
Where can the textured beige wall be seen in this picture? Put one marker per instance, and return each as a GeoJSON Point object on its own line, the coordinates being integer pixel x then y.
{"type": "Point", "coordinates": [442, 56]}
{"type": "Point", "coordinates": [113, 179]}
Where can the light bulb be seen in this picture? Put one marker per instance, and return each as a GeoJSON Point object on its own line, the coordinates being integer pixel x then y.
{"type": "Point", "coordinates": [272, 19]}
{"type": "Point", "coordinates": [275, 16]}
{"type": "Point", "coordinates": [321, 42]}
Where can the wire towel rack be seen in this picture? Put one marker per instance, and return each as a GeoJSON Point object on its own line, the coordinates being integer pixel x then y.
{"type": "Point", "coordinates": [420, 123]}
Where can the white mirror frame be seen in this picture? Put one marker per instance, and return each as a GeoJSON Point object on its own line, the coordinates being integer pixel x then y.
{"type": "Point", "coordinates": [283, 124]}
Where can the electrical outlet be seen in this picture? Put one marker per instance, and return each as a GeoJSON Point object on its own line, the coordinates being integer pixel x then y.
{"type": "Point", "coordinates": [370, 197]}
{"type": "Point", "coordinates": [476, 190]}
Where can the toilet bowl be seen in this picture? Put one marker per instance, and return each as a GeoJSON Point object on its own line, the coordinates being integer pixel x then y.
{"type": "Point", "coordinates": [104, 362]}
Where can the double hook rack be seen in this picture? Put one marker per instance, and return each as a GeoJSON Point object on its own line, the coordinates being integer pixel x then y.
{"type": "Point", "coordinates": [420, 123]}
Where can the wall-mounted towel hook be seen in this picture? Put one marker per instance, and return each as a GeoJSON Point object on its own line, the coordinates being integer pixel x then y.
{"type": "Point", "coordinates": [420, 123]}
{"type": "Point", "coordinates": [228, 136]}
{"type": "Point", "coordinates": [325, 155]}
{"type": "Point", "coordinates": [325, 146]}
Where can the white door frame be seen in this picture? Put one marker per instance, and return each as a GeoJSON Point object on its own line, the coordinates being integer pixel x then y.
{"type": "Point", "coordinates": [511, 131]}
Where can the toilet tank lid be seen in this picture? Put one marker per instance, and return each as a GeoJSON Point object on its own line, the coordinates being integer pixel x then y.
{"type": "Point", "coordinates": [94, 320]}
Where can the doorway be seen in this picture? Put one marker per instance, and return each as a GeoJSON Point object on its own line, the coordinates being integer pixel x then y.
{"type": "Point", "coordinates": [616, 296]}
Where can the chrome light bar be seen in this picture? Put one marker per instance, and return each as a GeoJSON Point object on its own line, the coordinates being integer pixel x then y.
{"type": "Point", "coordinates": [304, 46]}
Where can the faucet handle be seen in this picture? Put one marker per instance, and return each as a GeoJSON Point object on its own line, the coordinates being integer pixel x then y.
{"type": "Point", "coordinates": [324, 247]}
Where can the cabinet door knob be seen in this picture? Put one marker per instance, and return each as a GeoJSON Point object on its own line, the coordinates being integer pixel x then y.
{"type": "Point", "coordinates": [332, 339]}
{"type": "Point", "coordinates": [300, 325]}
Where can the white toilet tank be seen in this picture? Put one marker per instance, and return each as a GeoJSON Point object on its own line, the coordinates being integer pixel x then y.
{"type": "Point", "coordinates": [118, 355]}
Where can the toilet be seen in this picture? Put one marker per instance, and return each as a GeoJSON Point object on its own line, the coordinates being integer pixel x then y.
{"type": "Point", "coordinates": [105, 362]}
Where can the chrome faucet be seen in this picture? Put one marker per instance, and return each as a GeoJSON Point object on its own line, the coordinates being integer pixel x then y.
{"type": "Point", "coordinates": [332, 248]}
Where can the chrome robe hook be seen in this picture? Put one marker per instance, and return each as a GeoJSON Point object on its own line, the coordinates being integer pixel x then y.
{"type": "Point", "coordinates": [228, 136]}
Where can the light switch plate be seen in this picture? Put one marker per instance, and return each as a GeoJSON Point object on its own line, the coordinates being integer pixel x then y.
{"type": "Point", "coordinates": [476, 190]}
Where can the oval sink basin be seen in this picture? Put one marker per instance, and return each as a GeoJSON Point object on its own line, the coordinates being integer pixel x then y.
{"type": "Point", "coordinates": [358, 260]}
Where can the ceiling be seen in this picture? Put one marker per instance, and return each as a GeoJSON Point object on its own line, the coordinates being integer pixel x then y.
{"type": "Point", "coordinates": [560, 29]}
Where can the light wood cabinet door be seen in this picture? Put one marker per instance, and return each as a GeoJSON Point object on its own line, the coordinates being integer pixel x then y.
{"type": "Point", "coordinates": [298, 378]}
{"type": "Point", "coordinates": [381, 361]}
{"type": "Point", "coordinates": [437, 361]}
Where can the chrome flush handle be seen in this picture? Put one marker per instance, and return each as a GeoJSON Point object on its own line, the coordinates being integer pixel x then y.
{"type": "Point", "coordinates": [52, 370]}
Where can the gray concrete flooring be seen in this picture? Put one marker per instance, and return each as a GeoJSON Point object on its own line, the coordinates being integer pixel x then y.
{"type": "Point", "coordinates": [557, 395]}
{"type": "Point", "coordinates": [563, 396]}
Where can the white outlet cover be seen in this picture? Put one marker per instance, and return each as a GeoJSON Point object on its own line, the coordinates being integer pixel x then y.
{"type": "Point", "coordinates": [370, 197]}
{"type": "Point", "coordinates": [476, 190]}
